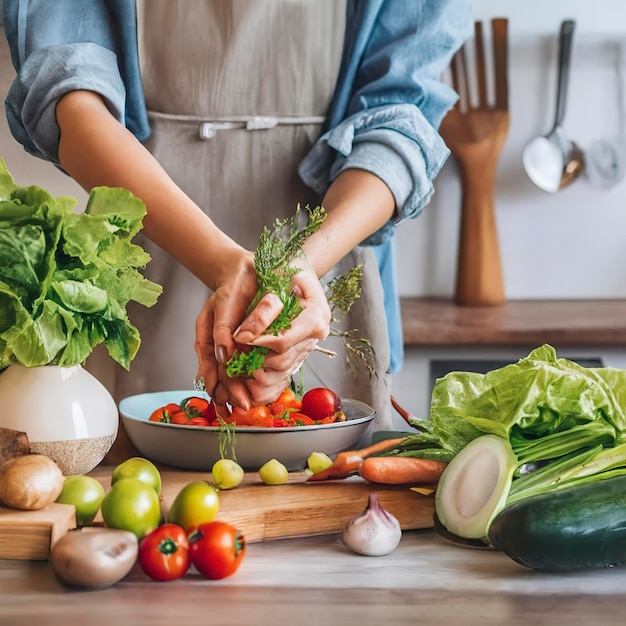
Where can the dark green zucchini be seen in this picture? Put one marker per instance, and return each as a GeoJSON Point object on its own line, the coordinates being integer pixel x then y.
{"type": "Point", "coordinates": [571, 528]}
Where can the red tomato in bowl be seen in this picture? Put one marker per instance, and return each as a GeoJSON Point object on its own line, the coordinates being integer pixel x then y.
{"type": "Point", "coordinates": [216, 549]}
{"type": "Point", "coordinates": [194, 406]}
{"type": "Point", "coordinates": [164, 553]}
{"type": "Point", "coordinates": [198, 421]}
{"type": "Point", "coordinates": [164, 413]}
{"type": "Point", "coordinates": [320, 402]}
{"type": "Point", "coordinates": [181, 417]}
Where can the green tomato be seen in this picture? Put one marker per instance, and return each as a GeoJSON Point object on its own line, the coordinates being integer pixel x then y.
{"type": "Point", "coordinates": [227, 474]}
{"type": "Point", "coordinates": [140, 468]}
{"type": "Point", "coordinates": [274, 473]}
{"type": "Point", "coordinates": [318, 462]}
{"type": "Point", "coordinates": [132, 504]}
{"type": "Point", "coordinates": [86, 494]}
{"type": "Point", "coordinates": [196, 503]}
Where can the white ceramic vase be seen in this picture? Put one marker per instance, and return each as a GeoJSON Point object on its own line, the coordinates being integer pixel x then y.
{"type": "Point", "coordinates": [66, 412]}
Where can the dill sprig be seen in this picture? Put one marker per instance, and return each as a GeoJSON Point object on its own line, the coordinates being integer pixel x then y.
{"type": "Point", "coordinates": [343, 291]}
{"type": "Point", "coordinates": [273, 257]}
{"type": "Point", "coordinates": [227, 439]}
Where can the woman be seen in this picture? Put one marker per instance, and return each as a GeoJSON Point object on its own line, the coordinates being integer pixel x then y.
{"type": "Point", "coordinates": [247, 108]}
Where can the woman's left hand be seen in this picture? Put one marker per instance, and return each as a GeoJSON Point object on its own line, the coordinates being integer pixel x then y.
{"type": "Point", "coordinates": [216, 339]}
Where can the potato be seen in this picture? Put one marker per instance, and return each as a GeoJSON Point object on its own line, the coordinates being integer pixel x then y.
{"type": "Point", "coordinates": [30, 482]}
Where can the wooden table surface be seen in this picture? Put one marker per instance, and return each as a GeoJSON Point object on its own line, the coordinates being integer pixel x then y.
{"type": "Point", "coordinates": [316, 580]}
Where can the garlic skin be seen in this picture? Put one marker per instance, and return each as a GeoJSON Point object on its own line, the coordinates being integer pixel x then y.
{"type": "Point", "coordinates": [374, 532]}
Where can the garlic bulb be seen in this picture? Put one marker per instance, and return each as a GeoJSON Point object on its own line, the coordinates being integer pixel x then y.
{"type": "Point", "coordinates": [374, 532]}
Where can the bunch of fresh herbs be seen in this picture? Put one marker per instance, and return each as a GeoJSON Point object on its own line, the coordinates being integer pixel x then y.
{"type": "Point", "coordinates": [273, 259]}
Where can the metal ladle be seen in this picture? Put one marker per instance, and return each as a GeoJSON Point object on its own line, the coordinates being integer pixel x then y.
{"type": "Point", "coordinates": [605, 160]}
{"type": "Point", "coordinates": [553, 161]}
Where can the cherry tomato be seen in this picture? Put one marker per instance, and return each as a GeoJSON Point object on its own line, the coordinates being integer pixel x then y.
{"type": "Point", "coordinates": [138, 467]}
{"type": "Point", "coordinates": [180, 418]}
{"type": "Point", "coordinates": [198, 421]}
{"type": "Point", "coordinates": [216, 549]}
{"type": "Point", "coordinates": [196, 503]}
{"type": "Point", "coordinates": [211, 413]}
{"type": "Point", "coordinates": [300, 419]}
{"type": "Point", "coordinates": [131, 504]}
{"type": "Point", "coordinates": [320, 402]}
{"type": "Point", "coordinates": [164, 553]}
{"type": "Point", "coordinates": [256, 416]}
{"type": "Point", "coordinates": [285, 401]}
{"type": "Point", "coordinates": [164, 413]}
{"type": "Point", "coordinates": [86, 494]}
{"type": "Point", "coordinates": [194, 406]}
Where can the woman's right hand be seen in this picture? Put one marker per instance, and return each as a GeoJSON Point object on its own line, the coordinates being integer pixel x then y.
{"type": "Point", "coordinates": [221, 326]}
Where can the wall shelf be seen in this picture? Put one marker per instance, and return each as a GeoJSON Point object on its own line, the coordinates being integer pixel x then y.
{"type": "Point", "coordinates": [440, 322]}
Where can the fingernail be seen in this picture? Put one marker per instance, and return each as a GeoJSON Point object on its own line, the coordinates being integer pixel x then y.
{"type": "Point", "coordinates": [244, 337]}
{"type": "Point", "coordinates": [220, 354]}
{"type": "Point", "coordinates": [245, 405]}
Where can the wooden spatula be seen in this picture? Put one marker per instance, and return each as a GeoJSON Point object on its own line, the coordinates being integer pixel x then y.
{"type": "Point", "coordinates": [475, 134]}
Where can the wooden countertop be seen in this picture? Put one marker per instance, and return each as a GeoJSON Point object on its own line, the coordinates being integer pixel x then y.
{"type": "Point", "coordinates": [435, 321]}
{"type": "Point", "coordinates": [316, 580]}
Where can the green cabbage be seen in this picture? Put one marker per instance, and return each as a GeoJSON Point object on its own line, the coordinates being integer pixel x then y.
{"type": "Point", "coordinates": [66, 277]}
{"type": "Point", "coordinates": [566, 423]}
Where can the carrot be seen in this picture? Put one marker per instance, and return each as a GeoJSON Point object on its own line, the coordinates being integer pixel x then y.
{"type": "Point", "coordinates": [348, 462]}
{"type": "Point", "coordinates": [401, 470]}
{"type": "Point", "coordinates": [406, 416]}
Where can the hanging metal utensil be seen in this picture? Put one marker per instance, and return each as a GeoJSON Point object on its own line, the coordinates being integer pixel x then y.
{"type": "Point", "coordinates": [606, 160]}
{"type": "Point", "coordinates": [553, 161]}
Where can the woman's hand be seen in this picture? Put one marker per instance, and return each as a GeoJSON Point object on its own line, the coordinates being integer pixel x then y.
{"type": "Point", "coordinates": [290, 347]}
{"type": "Point", "coordinates": [218, 332]}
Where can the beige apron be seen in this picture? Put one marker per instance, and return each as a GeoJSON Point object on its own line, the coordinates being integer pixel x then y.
{"type": "Point", "coordinates": [215, 61]}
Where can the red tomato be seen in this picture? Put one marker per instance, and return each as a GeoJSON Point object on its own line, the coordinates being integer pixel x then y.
{"type": "Point", "coordinates": [300, 419]}
{"type": "Point", "coordinates": [286, 400]}
{"type": "Point", "coordinates": [164, 553]}
{"type": "Point", "coordinates": [194, 406]}
{"type": "Point", "coordinates": [256, 416]}
{"type": "Point", "coordinates": [216, 549]}
{"type": "Point", "coordinates": [164, 413]}
{"type": "Point", "coordinates": [179, 418]}
{"type": "Point", "coordinates": [211, 413]}
{"type": "Point", "coordinates": [320, 402]}
{"type": "Point", "coordinates": [198, 421]}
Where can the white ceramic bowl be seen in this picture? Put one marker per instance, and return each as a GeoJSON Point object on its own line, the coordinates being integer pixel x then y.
{"type": "Point", "coordinates": [196, 447]}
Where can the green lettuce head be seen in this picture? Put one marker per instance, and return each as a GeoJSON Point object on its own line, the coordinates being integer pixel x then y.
{"type": "Point", "coordinates": [66, 276]}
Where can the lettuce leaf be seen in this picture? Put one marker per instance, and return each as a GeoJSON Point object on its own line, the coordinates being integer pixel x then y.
{"type": "Point", "coordinates": [66, 277]}
{"type": "Point", "coordinates": [565, 422]}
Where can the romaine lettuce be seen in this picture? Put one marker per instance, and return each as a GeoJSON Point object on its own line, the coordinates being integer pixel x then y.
{"type": "Point", "coordinates": [66, 276]}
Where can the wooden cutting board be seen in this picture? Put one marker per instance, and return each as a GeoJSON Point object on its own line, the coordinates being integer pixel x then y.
{"type": "Point", "coordinates": [298, 508]}
{"type": "Point", "coordinates": [30, 535]}
{"type": "Point", "coordinates": [260, 511]}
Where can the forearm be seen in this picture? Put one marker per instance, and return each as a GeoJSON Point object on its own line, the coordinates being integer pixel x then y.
{"type": "Point", "coordinates": [358, 204]}
{"type": "Point", "coordinates": [97, 151]}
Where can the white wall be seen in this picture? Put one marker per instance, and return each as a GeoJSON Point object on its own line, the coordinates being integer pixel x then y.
{"type": "Point", "coordinates": [564, 245]}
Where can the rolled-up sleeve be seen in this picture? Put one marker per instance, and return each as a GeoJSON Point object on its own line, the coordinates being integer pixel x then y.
{"type": "Point", "coordinates": [390, 101]}
{"type": "Point", "coordinates": [66, 45]}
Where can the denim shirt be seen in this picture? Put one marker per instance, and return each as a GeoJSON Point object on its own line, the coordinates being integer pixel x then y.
{"type": "Point", "coordinates": [383, 117]}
